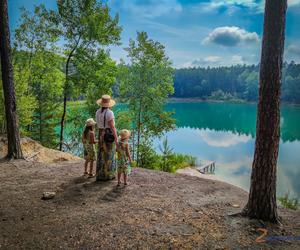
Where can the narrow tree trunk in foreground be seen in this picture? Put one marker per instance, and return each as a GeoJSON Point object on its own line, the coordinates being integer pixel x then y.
{"type": "Point", "coordinates": [262, 198]}
{"type": "Point", "coordinates": [13, 135]}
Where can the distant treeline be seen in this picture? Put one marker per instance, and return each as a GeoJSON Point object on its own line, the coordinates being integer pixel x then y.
{"type": "Point", "coordinates": [235, 82]}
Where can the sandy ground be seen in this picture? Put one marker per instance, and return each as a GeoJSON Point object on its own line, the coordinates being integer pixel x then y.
{"type": "Point", "coordinates": [196, 173]}
{"type": "Point", "coordinates": [155, 211]}
{"type": "Point", "coordinates": [33, 151]}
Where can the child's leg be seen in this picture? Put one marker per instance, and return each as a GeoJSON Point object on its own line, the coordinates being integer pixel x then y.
{"type": "Point", "coordinates": [85, 166]}
{"type": "Point", "coordinates": [119, 177]}
{"type": "Point", "coordinates": [125, 178]}
{"type": "Point", "coordinates": [91, 167]}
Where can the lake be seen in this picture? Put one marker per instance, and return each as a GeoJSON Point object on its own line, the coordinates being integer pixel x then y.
{"type": "Point", "coordinates": [225, 133]}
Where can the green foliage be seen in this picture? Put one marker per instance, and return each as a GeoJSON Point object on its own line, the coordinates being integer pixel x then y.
{"type": "Point", "coordinates": [167, 161]}
{"type": "Point", "coordinates": [288, 202]}
{"type": "Point", "coordinates": [45, 71]}
{"type": "Point", "coordinates": [38, 68]}
{"type": "Point", "coordinates": [145, 84]}
{"type": "Point", "coordinates": [235, 82]}
{"type": "Point", "coordinates": [95, 75]}
{"type": "Point", "coordinates": [85, 26]}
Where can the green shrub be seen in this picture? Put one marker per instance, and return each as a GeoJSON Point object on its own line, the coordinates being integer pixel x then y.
{"type": "Point", "coordinates": [167, 161]}
{"type": "Point", "coordinates": [288, 202]}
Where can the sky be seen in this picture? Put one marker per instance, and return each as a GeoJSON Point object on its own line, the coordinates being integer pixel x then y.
{"type": "Point", "coordinates": [194, 32]}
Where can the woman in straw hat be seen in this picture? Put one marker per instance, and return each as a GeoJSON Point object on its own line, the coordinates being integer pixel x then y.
{"type": "Point", "coordinates": [88, 140]}
{"type": "Point", "coordinates": [124, 156]}
{"type": "Point", "coordinates": [107, 139]}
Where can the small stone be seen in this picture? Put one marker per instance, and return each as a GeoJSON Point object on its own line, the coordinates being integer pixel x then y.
{"type": "Point", "coordinates": [235, 205]}
{"type": "Point", "coordinates": [48, 195]}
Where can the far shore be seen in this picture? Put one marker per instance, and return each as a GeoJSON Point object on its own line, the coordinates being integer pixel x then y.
{"type": "Point", "coordinates": [237, 101]}
{"type": "Point", "coordinates": [199, 100]}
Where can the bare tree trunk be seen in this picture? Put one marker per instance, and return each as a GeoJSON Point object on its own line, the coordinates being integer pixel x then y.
{"type": "Point", "coordinates": [13, 135]}
{"type": "Point", "coordinates": [139, 135]}
{"type": "Point", "coordinates": [63, 117]}
{"type": "Point", "coordinates": [262, 198]}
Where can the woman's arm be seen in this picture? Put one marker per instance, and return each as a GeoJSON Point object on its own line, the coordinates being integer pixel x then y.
{"type": "Point", "coordinates": [111, 124]}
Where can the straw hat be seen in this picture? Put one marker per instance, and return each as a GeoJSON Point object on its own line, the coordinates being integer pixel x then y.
{"type": "Point", "coordinates": [125, 134]}
{"type": "Point", "coordinates": [90, 122]}
{"type": "Point", "coordinates": [106, 101]}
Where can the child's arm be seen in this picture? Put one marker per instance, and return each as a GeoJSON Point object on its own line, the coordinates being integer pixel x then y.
{"type": "Point", "coordinates": [93, 138]}
{"type": "Point", "coordinates": [128, 152]}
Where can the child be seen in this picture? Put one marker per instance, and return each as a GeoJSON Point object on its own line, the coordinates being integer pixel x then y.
{"type": "Point", "coordinates": [88, 140]}
{"type": "Point", "coordinates": [124, 157]}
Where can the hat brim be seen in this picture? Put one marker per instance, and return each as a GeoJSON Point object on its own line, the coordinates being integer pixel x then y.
{"type": "Point", "coordinates": [110, 104]}
{"type": "Point", "coordinates": [125, 135]}
{"type": "Point", "coordinates": [91, 124]}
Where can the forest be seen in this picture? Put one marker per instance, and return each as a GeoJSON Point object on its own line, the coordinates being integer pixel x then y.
{"type": "Point", "coordinates": [238, 82]}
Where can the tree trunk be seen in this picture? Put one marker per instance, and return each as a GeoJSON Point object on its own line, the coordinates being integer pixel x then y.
{"type": "Point", "coordinates": [13, 136]}
{"type": "Point", "coordinates": [262, 197]}
{"type": "Point", "coordinates": [63, 117]}
{"type": "Point", "coordinates": [139, 135]}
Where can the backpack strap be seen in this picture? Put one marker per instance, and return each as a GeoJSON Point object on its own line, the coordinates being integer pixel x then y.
{"type": "Point", "coordinates": [105, 119]}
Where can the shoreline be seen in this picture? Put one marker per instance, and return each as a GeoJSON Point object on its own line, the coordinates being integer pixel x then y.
{"type": "Point", "coordinates": [239, 101]}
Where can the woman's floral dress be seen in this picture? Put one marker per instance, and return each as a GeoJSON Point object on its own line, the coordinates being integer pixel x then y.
{"type": "Point", "coordinates": [106, 162]}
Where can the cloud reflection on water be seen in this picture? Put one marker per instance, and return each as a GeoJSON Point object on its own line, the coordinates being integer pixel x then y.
{"type": "Point", "coordinates": [233, 154]}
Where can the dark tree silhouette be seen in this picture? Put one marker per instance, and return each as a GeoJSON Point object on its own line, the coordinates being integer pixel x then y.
{"type": "Point", "coordinates": [262, 198]}
{"type": "Point", "coordinates": [13, 136]}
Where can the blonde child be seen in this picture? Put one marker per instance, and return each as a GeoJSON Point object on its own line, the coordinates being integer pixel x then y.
{"type": "Point", "coordinates": [89, 141]}
{"type": "Point", "coordinates": [123, 156]}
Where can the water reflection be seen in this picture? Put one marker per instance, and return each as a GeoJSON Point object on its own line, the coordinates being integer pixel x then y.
{"type": "Point", "coordinates": [237, 118]}
{"type": "Point", "coordinates": [233, 155]}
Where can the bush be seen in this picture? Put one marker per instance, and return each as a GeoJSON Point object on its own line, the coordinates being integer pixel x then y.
{"type": "Point", "coordinates": [287, 202]}
{"type": "Point", "coordinates": [168, 161]}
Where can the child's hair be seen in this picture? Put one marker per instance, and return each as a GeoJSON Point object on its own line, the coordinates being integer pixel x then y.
{"type": "Point", "coordinates": [86, 130]}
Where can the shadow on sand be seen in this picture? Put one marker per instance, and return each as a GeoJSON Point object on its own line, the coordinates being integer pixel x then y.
{"type": "Point", "coordinates": [82, 189]}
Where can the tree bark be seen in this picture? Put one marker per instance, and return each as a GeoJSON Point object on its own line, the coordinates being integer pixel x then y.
{"type": "Point", "coordinates": [13, 136]}
{"type": "Point", "coordinates": [262, 197]}
{"type": "Point", "coordinates": [63, 117]}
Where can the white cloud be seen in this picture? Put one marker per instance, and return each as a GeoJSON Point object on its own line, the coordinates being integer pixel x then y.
{"type": "Point", "coordinates": [216, 61]}
{"type": "Point", "coordinates": [293, 2]}
{"type": "Point", "coordinates": [209, 60]}
{"type": "Point", "coordinates": [254, 5]}
{"type": "Point", "coordinates": [231, 36]}
{"type": "Point", "coordinates": [292, 52]}
{"type": "Point", "coordinates": [222, 139]}
{"type": "Point", "coordinates": [294, 49]}
{"type": "Point", "coordinates": [237, 59]}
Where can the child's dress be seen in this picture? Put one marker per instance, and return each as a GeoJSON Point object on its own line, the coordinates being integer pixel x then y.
{"type": "Point", "coordinates": [89, 149]}
{"type": "Point", "coordinates": [122, 158]}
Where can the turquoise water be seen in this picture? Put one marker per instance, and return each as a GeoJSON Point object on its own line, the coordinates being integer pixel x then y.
{"type": "Point", "coordinates": [225, 133]}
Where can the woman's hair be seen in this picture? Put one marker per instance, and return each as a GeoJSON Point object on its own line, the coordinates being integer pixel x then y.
{"type": "Point", "coordinates": [103, 108]}
{"type": "Point", "coordinates": [86, 131]}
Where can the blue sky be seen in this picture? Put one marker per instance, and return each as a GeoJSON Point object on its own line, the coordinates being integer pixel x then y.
{"type": "Point", "coordinates": [194, 32]}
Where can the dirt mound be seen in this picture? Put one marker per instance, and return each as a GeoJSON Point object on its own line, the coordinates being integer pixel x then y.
{"type": "Point", "coordinates": [34, 151]}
